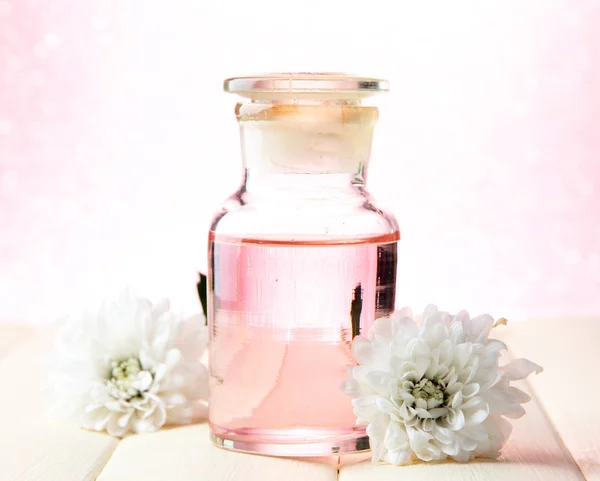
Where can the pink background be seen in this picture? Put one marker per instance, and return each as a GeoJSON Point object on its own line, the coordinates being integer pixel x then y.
{"type": "Point", "coordinates": [117, 145]}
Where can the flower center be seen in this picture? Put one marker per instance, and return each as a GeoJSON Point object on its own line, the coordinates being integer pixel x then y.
{"type": "Point", "coordinates": [430, 392]}
{"type": "Point", "coordinates": [124, 382]}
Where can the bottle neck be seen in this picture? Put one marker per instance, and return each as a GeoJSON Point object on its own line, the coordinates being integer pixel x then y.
{"type": "Point", "coordinates": [305, 148]}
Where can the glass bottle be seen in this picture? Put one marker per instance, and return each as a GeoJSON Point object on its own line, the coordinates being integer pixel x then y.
{"type": "Point", "coordinates": [300, 261]}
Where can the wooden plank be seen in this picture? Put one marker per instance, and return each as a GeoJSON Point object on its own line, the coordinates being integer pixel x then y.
{"type": "Point", "coordinates": [53, 453]}
{"type": "Point", "coordinates": [569, 387]}
{"type": "Point", "coordinates": [32, 446]}
{"type": "Point", "coordinates": [11, 335]}
{"type": "Point", "coordinates": [533, 453]}
{"type": "Point", "coordinates": [186, 454]}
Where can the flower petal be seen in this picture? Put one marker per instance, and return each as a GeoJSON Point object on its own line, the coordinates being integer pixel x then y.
{"type": "Point", "coordinates": [382, 327]}
{"type": "Point", "coordinates": [495, 345]}
{"type": "Point", "coordinates": [431, 317]}
{"type": "Point", "coordinates": [477, 433]}
{"type": "Point", "coordinates": [520, 369]}
{"type": "Point", "coordinates": [428, 424]}
{"type": "Point", "coordinates": [476, 414]}
{"type": "Point", "coordinates": [114, 427]}
{"type": "Point", "coordinates": [423, 413]}
{"type": "Point", "coordinates": [503, 403]}
{"type": "Point", "coordinates": [405, 330]}
{"type": "Point", "coordinates": [438, 412]}
{"type": "Point", "coordinates": [146, 361]}
{"type": "Point", "coordinates": [385, 406]}
{"type": "Point", "coordinates": [362, 350]}
{"type": "Point", "coordinates": [520, 396]}
{"type": "Point", "coordinates": [488, 381]}
{"type": "Point", "coordinates": [405, 370]}
{"type": "Point", "coordinates": [462, 317]}
{"type": "Point", "coordinates": [376, 431]}
{"type": "Point", "coordinates": [360, 373]}
{"type": "Point", "coordinates": [457, 400]}
{"type": "Point", "coordinates": [421, 446]}
{"type": "Point", "coordinates": [455, 419]}
{"type": "Point", "coordinates": [497, 432]}
{"type": "Point", "coordinates": [454, 388]}
{"type": "Point", "coordinates": [422, 363]}
{"type": "Point", "coordinates": [143, 381]}
{"type": "Point", "coordinates": [478, 328]}
{"type": "Point", "coordinates": [161, 336]}
{"type": "Point", "coordinates": [452, 448]}
{"type": "Point", "coordinates": [400, 457]}
{"type": "Point", "coordinates": [173, 357]}
{"type": "Point", "coordinates": [124, 419]}
{"type": "Point", "coordinates": [395, 437]}
{"type": "Point", "coordinates": [404, 312]}
{"type": "Point", "coordinates": [192, 336]}
{"type": "Point", "coordinates": [365, 408]}
{"type": "Point", "coordinates": [380, 382]}
{"type": "Point", "coordinates": [445, 348]}
{"type": "Point", "coordinates": [97, 419]}
{"type": "Point", "coordinates": [407, 413]}
{"type": "Point", "coordinates": [462, 354]}
{"type": "Point", "coordinates": [470, 390]}
{"type": "Point", "coordinates": [457, 333]}
{"type": "Point", "coordinates": [462, 457]}
{"type": "Point", "coordinates": [443, 435]}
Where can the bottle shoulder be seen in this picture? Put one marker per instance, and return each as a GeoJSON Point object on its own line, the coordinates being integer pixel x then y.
{"type": "Point", "coordinates": [241, 216]}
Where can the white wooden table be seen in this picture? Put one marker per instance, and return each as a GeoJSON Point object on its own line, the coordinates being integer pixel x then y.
{"type": "Point", "coordinates": [558, 440]}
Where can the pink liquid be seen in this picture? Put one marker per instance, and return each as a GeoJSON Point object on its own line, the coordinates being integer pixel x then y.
{"type": "Point", "coordinates": [281, 332]}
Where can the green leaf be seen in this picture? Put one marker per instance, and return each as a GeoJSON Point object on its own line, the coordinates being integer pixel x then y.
{"type": "Point", "coordinates": [202, 285]}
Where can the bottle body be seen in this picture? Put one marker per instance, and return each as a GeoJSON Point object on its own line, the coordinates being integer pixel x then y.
{"type": "Point", "coordinates": [283, 315]}
{"type": "Point", "coordinates": [300, 261]}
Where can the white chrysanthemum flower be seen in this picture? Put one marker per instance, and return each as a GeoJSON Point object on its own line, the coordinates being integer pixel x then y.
{"type": "Point", "coordinates": [132, 366]}
{"type": "Point", "coordinates": [436, 390]}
